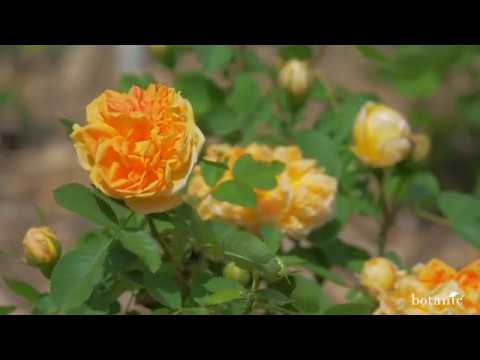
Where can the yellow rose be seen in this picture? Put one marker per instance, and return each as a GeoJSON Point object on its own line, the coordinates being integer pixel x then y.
{"type": "Point", "coordinates": [295, 76]}
{"type": "Point", "coordinates": [378, 274]}
{"type": "Point", "coordinates": [41, 247]}
{"type": "Point", "coordinates": [434, 288]}
{"type": "Point", "coordinates": [381, 136]}
{"type": "Point", "coordinates": [140, 146]}
{"type": "Point", "coordinates": [302, 200]}
{"type": "Point", "coordinates": [421, 146]}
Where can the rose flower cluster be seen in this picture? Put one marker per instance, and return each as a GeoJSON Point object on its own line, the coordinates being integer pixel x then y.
{"type": "Point", "coordinates": [302, 200]}
{"type": "Point", "coordinates": [434, 288]}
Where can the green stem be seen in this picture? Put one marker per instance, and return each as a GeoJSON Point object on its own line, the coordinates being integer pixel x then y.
{"type": "Point", "coordinates": [387, 214]}
{"type": "Point", "coordinates": [253, 290]}
{"type": "Point", "coordinates": [432, 217]}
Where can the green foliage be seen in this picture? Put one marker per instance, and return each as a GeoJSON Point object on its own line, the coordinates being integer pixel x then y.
{"type": "Point", "coordinates": [462, 212]}
{"type": "Point", "coordinates": [202, 92]}
{"type": "Point", "coordinates": [301, 52]}
{"type": "Point", "coordinates": [214, 57]}
{"type": "Point", "coordinates": [129, 80]}
{"type": "Point", "coordinates": [76, 274]}
{"type": "Point", "coordinates": [23, 290]}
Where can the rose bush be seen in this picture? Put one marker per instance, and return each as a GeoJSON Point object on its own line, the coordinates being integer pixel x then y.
{"type": "Point", "coordinates": [252, 222]}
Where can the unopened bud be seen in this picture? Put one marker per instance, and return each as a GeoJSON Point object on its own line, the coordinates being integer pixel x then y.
{"type": "Point", "coordinates": [378, 274]}
{"type": "Point", "coordinates": [41, 247]}
{"type": "Point", "coordinates": [295, 77]}
{"type": "Point", "coordinates": [232, 271]}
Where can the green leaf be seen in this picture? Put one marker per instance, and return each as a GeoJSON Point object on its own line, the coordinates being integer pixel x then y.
{"type": "Point", "coordinates": [82, 201]}
{"type": "Point", "coordinates": [257, 174]}
{"type": "Point", "coordinates": [254, 64]}
{"type": "Point", "coordinates": [237, 193]}
{"type": "Point", "coordinates": [246, 250]}
{"type": "Point", "coordinates": [129, 80]}
{"type": "Point", "coordinates": [214, 57]}
{"type": "Point", "coordinates": [463, 213]}
{"type": "Point", "coordinates": [272, 297]}
{"type": "Point", "coordinates": [169, 57]}
{"type": "Point", "coordinates": [217, 284]}
{"type": "Point", "coordinates": [45, 306]}
{"type": "Point", "coordinates": [76, 274]}
{"type": "Point", "coordinates": [224, 296]}
{"type": "Point", "coordinates": [84, 310]}
{"type": "Point", "coordinates": [325, 274]}
{"type": "Point", "coordinates": [359, 297]}
{"type": "Point", "coordinates": [163, 287]}
{"type": "Point", "coordinates": [300, 52]}
{"type": "Point", "coordinates": [223, 121]}
{"type": "Point", "coordinates": [211, 173]}
{"type": "Point", "coordinates": [421, 189]}
{"type": "Point", "coordinates": [245, 95]}
{"type": "Point", "coordinates": [194, 311]}
{"type": "Point", "coordinates": [68, 124]}
{"type": "Point", "coordinates": [24, 290]}
{"type": "Point", "coordinates": [7, 309]}
{"type": "Point", "coordinates": [349, 309]}
{"type": "Point", "coordinates": [317, 145]}
{"type": "Point", "coordinates": [338, 252]}
{"type": "Point", "coordinates": [319, 91]}
{"type": "Point", "coordinates": [371, 53]}
{"type": "Point", "coordinates": [199, 90]}
{"type": "Point", "coordinates": [272, 237]}
{"type": "Point", "coordinates": [144, 246]}
{"type": "Point", "coordinates": [308, 297]}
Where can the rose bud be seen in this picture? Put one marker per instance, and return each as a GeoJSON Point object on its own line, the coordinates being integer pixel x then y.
{"type": "Point", "coordinates": [378, 274]}
{"type": "Point", "coordinates": [41, 247]}
{"type": "Point", "coordinates": [381, 136]}
{"type": "Point", "coordinates": [295, 77]}
{"type": "Point", "coordinates": [232, 271]}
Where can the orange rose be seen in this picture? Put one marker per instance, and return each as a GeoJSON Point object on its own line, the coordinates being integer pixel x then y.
{"type": "Point", "coordinates": [432, 288]}
{"type": "Point", "coordinates": [140, 147]}
{"type": "Point", "coordinates": [302, 200]}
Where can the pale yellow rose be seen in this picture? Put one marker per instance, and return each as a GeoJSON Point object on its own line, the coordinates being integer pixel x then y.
{"type": "Point", "coordinates": [140, 146]}
{"type": "Point", "coordinates": [302, 200]}
{"type": "Point", "coordinates": [381, 136]}
{"type": "Point", "coordinates": [40, 246]}
{"type": "Point", "coordinates": [295, 76]}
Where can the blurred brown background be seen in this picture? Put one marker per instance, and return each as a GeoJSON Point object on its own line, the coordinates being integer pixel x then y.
{"type": "Point", "coordinates": [59, 83]}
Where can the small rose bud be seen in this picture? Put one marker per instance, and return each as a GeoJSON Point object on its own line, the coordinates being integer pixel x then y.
{"type": "Point", "coordinates": [295, 77]}
{"type": "Point", "coordinates": [378, 274]}
{"type": "Point", "coordinates": [421, 146]}
{"type": "Point", "coordinates": [41, 247]}
{"type": "Point", "coordinates": [381, 136]}
{"type": "Point", "coordinates": [232, 271]}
